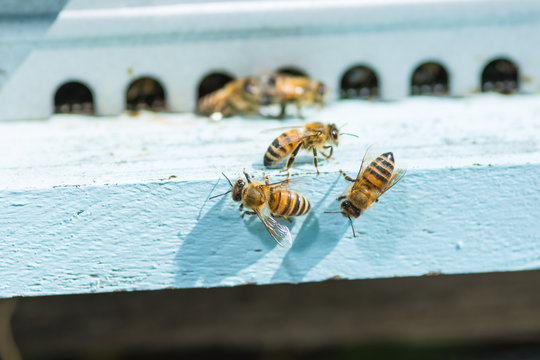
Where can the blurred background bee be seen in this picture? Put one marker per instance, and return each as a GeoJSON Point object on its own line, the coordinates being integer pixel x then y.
{"type": "Point", "coordinates": [285, 89]}
{"type": "Point", "coordinates": [268, 201]}
{"type": "Point", "coordinates": [237, 97]}
{"type": "Point", "coordinates": [312, 137]}
{"type": "Point", "coordinates": [371, 182]}
{"type": "Point", "coordinates": [245, 96]}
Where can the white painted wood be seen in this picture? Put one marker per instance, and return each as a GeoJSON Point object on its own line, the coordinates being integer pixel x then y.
{"type": "Point", "coordinates": [181, 43]}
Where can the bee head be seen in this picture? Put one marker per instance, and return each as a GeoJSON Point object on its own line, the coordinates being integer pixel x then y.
{"type": "Point", "coordinates": [252, 87]}
{"type": "Point", "coordinates": [349, 210]}
{"type": "Point", "coordinates": [237, 188]}
{"type": "Point", "coordinates": [333, 133]}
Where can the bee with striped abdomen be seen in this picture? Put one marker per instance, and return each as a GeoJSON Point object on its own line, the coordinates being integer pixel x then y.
{"type": "Point", "coordinates": [370, 183]}
{"type": "Point", "coordinates": [283, 89]}
{"type": "Point", "coordinates": [267, 201]}
{"type": "Point", "coordinates": [285, 203]}
{"type": "Point", "coordinates": [237, 97]}
{"type": "Point", "coordinates": [313, 137]}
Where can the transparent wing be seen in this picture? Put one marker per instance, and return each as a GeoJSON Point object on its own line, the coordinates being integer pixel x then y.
{"type": "Point", "coordinates": [369, 156]}
{"type": "Point", "coordinates": [394, 179]}
{"type": "Point", "coordinates": [300, 137]}
{"type": "Point", "coordinates": [279, 233]}
{"type": "Point", "coordinates": [297, 137]}
{"type": "Point", "coordinates": [301, 183]}
{"type": "Point", "coordinates": [281, 128]}
{"type": "Point", "coordinates": [280, 184]}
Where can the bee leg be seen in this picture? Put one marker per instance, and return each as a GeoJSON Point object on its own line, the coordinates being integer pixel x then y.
{"type": "Point", "coordinates": [290, 162]}
{"type": "Point", "coordinates": [331, 151]}
{"type": "Point", "coordinates": [253, 109]}
{"type": "Point", "coordinates": [283, 109]}
{"type": "Point", "coordinates": [287, 218]}
{"type": "Point", "coordinates": [347, 177]}
{"type": "Point", "coordinates": [247, 176]}
{"type": "Point", "coordinates": [241, 207]}
{"type": "Point", "coordinates": [299, 110]}
{"type": "Point", "coordinates": [248, 212]}
{"type": "Point", "coordinates": [342, 197]}
{"type": "Point", "coordinates": [226, 110]}
{"type": "Point", "coordinates": [315, 161]}
{"type": "Point", "coordinates": [266, 181]}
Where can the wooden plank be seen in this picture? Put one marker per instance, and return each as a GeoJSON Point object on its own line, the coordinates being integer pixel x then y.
{"type": "Point", "coordinates": [445, 309]}
{"type": "Point", "coordinates": [84, 207]}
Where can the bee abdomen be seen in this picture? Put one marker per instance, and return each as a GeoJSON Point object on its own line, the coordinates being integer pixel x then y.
{"type": "Point", "coordinates": [280, 147]}
{"type": "Point", "coordinates": [206, 104]}
{"type": "Point", "coordinates": [289, 203]}
{"type": "Point", "coordinates": [212, 103]}
{"type": "Point", "coordinates": [379, 172]}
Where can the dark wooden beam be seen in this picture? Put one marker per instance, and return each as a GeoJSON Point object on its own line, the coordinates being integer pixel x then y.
{"type": "Point", "coordinates": [443, 308]}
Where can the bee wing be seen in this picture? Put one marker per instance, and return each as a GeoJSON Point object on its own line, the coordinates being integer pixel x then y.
{"type": "Point", "coordinates": [394, 179]}
{"type": "Point", "coordinates": [302, 182]}
{"type": "Point", "coordinates": [369, 156]}
{"type": "Point", "coordinates": [279, 233]}
{"type": "Point", "coordinates": [297, 138]}
{"type": "Point", "coordinates": [300, 137]}
{"type": "Point", "coordinates": [280, 184]}
{"type": "Point", "coordinates": [282, 128]}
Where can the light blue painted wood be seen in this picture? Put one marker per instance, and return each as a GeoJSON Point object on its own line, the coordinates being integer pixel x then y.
{"type": "Point", "coordinates": [83, 207]}
{"type": "Point", "coordinates": [165, 234]}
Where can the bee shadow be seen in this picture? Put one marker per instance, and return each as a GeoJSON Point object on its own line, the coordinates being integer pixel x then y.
{"type": "Point", "coordinates": [315, 240]}
{"type": "Point", "coordinates": [217, 248]}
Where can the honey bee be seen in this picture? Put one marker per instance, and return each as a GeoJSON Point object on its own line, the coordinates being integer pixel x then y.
{"type": "Point", "coordinates": [237, 97]}
{"type": "Point", "coordinates": [268, 201]}
{"type": "Point", "coordinates": [313, 137]}
{"type": "Point", "coordinates": [370, 183]}
{"type": "Point", "coordinates": [286, 89]}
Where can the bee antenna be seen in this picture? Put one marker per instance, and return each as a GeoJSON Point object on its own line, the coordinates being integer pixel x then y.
{"type": "Point", "coordinates": [332, 212]}
{"type": "Point", "coordinates": [352, 226]}
{"type": "Point", "coordinates": [225, 193]}
{"type": "Point", "coordinates": [227, 179]}
{"type": "Point", "coordinates": [215, 196]}
{"type": "Point", "coordinates": [342, 133]}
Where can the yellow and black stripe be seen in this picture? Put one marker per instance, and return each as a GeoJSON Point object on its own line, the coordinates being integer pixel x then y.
{"type": "Point", "coordinates": [288, 203]}
{"type": "Point", "coordinates": [281, 147]}
{"type": "Point", "coordinates": [379, 172]}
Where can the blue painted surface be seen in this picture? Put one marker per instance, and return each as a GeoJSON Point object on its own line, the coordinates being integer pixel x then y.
{"type": "Point", "coordinates": [166, 234]}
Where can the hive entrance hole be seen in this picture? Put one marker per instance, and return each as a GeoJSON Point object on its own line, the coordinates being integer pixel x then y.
{"type": "Point", "coordinates": [359, 82]}
{"type": "Point", "coordinates": [145, 94]}
{"type": "Point", "coordinates": [213, 82]}
{"type": "Point", "coordinates": [74, 98]}
{"type": "Point", "coordinates": [500, 75]}
{"type": "Point", "coordinates": [429, 79]}
{"type": "Point", "coordinates": [291, 70]}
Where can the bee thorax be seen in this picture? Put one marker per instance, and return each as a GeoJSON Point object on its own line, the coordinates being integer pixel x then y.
{"type": "Point", "coordinates": [253, 196]}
